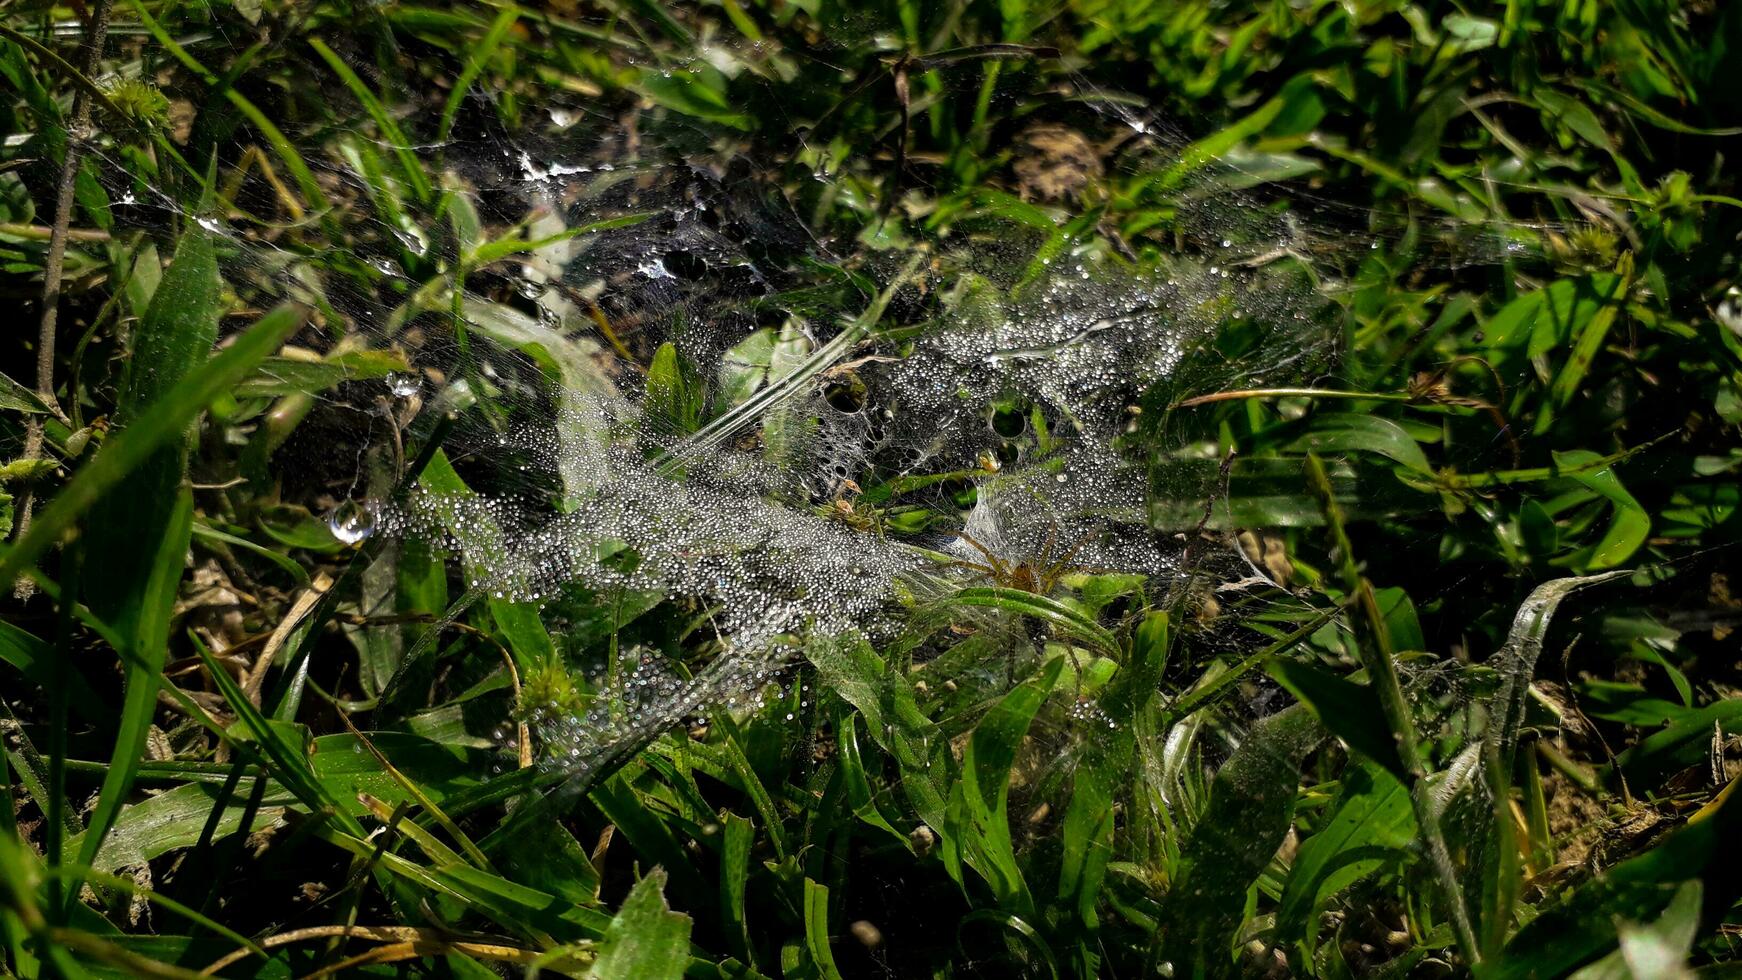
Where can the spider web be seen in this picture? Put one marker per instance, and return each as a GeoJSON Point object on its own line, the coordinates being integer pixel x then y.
{"type": "Point", "coordinates": [681, 375]}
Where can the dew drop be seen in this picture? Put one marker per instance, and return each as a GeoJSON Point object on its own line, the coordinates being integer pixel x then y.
{"type": "Point", "coordinates": [403, 385]}
{"type": "Point", "coordinates": [353, 520]}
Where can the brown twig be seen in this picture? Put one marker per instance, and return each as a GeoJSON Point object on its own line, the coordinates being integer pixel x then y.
{"type": "Point", "coordinates": [55, 263]}
{"type": "Point", "coordinates": [256, 677]}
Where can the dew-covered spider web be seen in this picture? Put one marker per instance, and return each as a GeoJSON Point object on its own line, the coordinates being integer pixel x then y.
{"type": "Point", "coordinates": [675, 400]}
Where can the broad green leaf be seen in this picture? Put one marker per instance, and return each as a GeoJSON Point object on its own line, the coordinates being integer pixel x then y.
{"type": "Point", "coordinates": [641, 823]}
{"type": "Point", "coordinates": [1567, 307]}
{"type": "Point", "coordinates": [527, 638]}
{"type": "Point", "coordinates": [279, 376]}
{"type": "Point", "coordinates": [1588, 339]}
{"type": "Point", "coordinates": [1139, 678]}
{"type": "Point", "coordinates": [1342, 432]}
{"type": "Point", "coordinates": [855, 673]}
{"type": "Point", "coordinates": [177, 818]}
{"type": "Point", "coordinates": [1208, 149]}
{"type": "Point", "coordinates": [699, 92]}
{"type": "Point", "coordinates": [174, 338]}
{"type": "Point", "coordinates": [1629, 523]}
{"type": "Point", "coordinates": [546, 856]}
{"type": "Point", "coordinates": [15, 397]}
{"type": "Point", "coordinates": [860, 793]}
{"type": "Point", "coordinates": [744, 368]}
{"type": "Point", "coordinates": [674, 396]}
{"type": "Point", "coordinates": [1653, 950]}
{"type": "Point", "coordinates": [646, 940]}
{"type": "Point", "coordinates": [346, 768]}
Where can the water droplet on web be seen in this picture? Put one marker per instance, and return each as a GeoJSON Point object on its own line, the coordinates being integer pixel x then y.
{"type": "Point", "coordinates": [530, 288]}
{"type": "Point", "coordinates": [403, 385]}
{"type": "Point", "coordinates": [354, 520]}
{"type": "Point", "coordinates": [413, 240]}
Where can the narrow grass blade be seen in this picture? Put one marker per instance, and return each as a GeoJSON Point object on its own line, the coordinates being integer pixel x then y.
{"type": "Point", "coordinates": [1251, 806]}
{"type": "Point", "coordinates": [408, 161]}
{"type": "Point", "coordinates": [149, 640]}
{"type": "Point", "coordinates": [1043, 608]}
{"type": "Point", "coordinates": [480, 57]}
{"type": "Point", "coordinates": [816, 930]}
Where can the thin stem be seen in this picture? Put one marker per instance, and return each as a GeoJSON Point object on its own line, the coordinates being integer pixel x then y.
{"type": "Point", "coordinates": [38, 233]}
{"type": "Point", "coordinates": [1374, 644]}
{"type": "Point", "coordinates": [1228, 396]}
{"type": "Point", "coordinates": [55, 262]}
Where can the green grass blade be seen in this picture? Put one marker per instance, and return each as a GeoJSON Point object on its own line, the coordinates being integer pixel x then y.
{"type": "Point", "coordinates": [1040, 607]}
{"type": "Point", "coordinates": [736, 837]}
{"type": "Point", "coordinates": [34, 658]}
{"type": "Point", "coordinates": [408, 161]}
{"type": "Point", "coordinates": [281, 144]}
{"type": "Point", "coordinates": [977, 823]}
{"type": "Point", "coordinates": [646, 940]}
{"type": "Point", "coordinates": [816, 930]}
{"type": "Point", "coordinates": [475, 63]}
{"type": "Point", "coordinates": [1374, 644]}
{"type": "Point", "coordinates": [149, 640]}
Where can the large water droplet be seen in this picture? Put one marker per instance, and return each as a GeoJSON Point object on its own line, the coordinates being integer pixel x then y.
{"type": "Point", "coordinates": [354, 520]}
{"type": "Point", "coordinates": [403, 385]}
